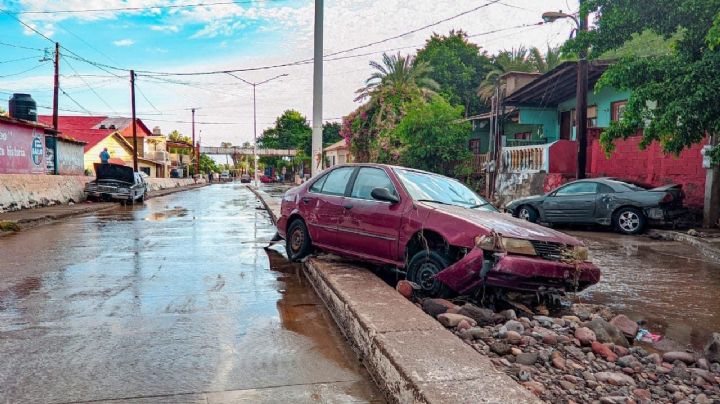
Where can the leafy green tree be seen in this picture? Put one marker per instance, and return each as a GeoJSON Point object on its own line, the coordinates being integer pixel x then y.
{"type": "Point", "coordinates": [291, 131]}
{"type": "Point", "coordinates": [674, 95]}
{"type": "Point", "coordinates": [207, 165]}
{"type": "Point", "coordinates": [458, 66]}
{"type": "Point", "coordinates": [331, 133]}
{"type": "Point", "coordinates": [176, 136]}
{"type": "Point", "coordinates": [434, 137]}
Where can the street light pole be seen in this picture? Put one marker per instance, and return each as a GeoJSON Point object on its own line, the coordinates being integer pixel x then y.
{"type": "Point", "coordinates": [317, 141]}
{"type": "Point", "coordinates": [254, 86]}
{"type": "Point", "coordinates": [581, 86]}
{"type": "Point", "coordinates": [134, 123]}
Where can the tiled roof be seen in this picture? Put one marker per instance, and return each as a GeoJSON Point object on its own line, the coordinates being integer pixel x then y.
{"type": "Point", "coordinates": [93, 129]}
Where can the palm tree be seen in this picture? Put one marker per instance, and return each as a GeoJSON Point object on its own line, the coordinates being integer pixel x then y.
{"type": "Point", "coordinates": [400, 73]}
{"type": "Point", "coordinates": [521, 59]}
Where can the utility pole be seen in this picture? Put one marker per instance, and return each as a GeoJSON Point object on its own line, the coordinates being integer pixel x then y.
{"type": "Point", "coordinates": [195, 151]}
{"type": "Point", "coordinates": [56, 89]}
{"type": "Point", "coordinates": [255, 156]}
{"type": "Point", "coordinates": [134, 123]}
{"type": "Point", "coordinates": [317, 143]}
{"type": "Point", "coordinates": [581, 102]}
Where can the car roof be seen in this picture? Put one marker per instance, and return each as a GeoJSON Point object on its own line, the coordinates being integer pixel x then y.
{"type": "Point", "coordinates": [390, 166]}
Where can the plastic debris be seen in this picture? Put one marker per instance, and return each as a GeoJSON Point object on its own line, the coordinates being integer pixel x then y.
{"type": "Point", "coordinates": [646, 336]}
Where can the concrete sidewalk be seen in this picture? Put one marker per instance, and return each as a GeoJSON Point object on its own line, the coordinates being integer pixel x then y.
{"type": "Point", "coordinates": [412, 358]}
{"type": "Point", "coordinates": [29, 218]}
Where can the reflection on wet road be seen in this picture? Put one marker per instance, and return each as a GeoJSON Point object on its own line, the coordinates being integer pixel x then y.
{"type": "Point", "coordinates": [666, 283]}
{"type": "Point", "coordinates": [175, 300]}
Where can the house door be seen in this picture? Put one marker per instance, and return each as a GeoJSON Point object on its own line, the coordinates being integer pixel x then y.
{"type": "Point", "coordinates": [565, 125]}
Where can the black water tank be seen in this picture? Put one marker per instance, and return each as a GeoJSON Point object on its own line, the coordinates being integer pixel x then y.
{"type": "Point", "coordinates": [22, 106]}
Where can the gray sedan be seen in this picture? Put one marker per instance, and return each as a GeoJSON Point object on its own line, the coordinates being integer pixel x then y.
{"type": "Point", "coordinates": [626, 206]}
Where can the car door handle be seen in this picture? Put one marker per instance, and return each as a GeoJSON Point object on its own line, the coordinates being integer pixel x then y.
{"type": "Point", "coordinates": [348, 206]}
{"type": "Point", "coordinates": [306, 200]}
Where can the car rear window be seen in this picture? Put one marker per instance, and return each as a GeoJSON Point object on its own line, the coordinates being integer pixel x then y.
{"type": "Point", "coordinates": [337, 181]}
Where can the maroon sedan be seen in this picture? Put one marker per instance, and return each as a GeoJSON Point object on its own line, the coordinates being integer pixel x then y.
{"type": "Point", "coordinates": [439, 231]}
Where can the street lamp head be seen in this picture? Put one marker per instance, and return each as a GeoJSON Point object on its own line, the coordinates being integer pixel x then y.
{"type": "Point", "coordinates": [552, 16]}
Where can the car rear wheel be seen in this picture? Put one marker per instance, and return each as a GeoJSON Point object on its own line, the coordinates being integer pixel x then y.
{"type": "Point", "coordinates": [629, 221]}
{"type": "Point", "coordinates": [298, 244]}
{"type": "Point", "coordinates": [422, 269]}
{"type": "Point", "coordinates": [528, 213]}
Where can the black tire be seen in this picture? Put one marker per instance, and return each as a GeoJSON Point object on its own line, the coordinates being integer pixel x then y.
{"type": "Point", "coordinates": [421, 269]}
{"type": "Point", "coordinates": [527, 212]}
{"type": "Point", "coordinates": [297, 243]}
{"type": "Point", "coordinates": [629, 221]}
{"type": "Point", "coordinates": [142, 198]}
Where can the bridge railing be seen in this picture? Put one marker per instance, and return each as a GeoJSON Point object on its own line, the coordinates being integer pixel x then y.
{"type": "Point", "coordinates": [247, 151]}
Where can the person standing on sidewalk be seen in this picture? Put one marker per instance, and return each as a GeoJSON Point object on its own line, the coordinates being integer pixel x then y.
{"type": "Point", "coordinates": [104, 156]}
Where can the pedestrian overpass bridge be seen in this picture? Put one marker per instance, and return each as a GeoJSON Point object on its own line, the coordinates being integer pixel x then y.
{"type": "Point", "coordinates": [247, 151]}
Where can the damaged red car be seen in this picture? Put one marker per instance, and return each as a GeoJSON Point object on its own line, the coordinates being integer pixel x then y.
{"type": "Point", "coordinates": [441, 234]}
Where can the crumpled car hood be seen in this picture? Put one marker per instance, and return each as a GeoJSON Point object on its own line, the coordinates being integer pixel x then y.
{"type": "Point", "coordinates": [505, 224]}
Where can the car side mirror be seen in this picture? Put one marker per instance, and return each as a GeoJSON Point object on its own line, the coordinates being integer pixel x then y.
{"type": "Point", "coordinates": [382, 194]}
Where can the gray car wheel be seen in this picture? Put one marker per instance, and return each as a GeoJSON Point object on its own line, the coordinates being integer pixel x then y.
{"type": "Point", "coordinates": [629, 221]}
{"type": "Point", "coordinates": [527, 213]}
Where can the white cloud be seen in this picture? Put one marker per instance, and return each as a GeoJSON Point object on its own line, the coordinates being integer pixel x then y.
{"type": "Point", "coordinates": [165, 28]}
{"type": "Point", "coordinates": [124, 42]}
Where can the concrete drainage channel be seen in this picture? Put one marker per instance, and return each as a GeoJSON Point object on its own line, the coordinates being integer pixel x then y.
{"type": "Point", "coordinates": [412, 357]}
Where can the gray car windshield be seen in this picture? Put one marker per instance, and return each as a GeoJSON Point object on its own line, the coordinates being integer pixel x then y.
{"type": "Point", "coordinates": [435, 188]}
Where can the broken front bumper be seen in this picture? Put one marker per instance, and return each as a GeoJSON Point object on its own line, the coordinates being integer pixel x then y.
{"type": "Point", "coordinates": [517, 272]}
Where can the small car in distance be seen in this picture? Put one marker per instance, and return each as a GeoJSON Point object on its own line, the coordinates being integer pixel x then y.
{"type": "Point", "coordinates": [245, 179]}
{"type": "Point", "coordinates": [267, 179]}
{"type": "Point", "coordinates": [439, 232]}
{"type": "Point", "coordinates": [117, 182]}
{"type": "Point", "coordinates": [626, 206]}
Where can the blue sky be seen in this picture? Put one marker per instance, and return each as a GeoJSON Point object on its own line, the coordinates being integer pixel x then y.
{"type": "Point", "coordinates": [226, 36]}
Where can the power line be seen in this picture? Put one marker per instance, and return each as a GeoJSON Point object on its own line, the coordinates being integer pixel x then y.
{"type": "Point", "coordinates": [25, 71]}
{"type": "Point", "coordinates": [171, 6]}
{"type": "Point", "coordinates": [89, 86]}
{"type": "Point", "coordinates": [76, 103]}
{"type": "Point", "coordinates": [142, 94]}
{"type": "Point", "coordinates": [416, 29]}
{"type": "Point", "coordinates": [20, 46]}
{"type": "Point", "coordinates": [18, 60]}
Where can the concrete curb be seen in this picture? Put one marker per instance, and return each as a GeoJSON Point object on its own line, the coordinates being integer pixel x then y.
{"type": "Point", "coordinates": [705, 248]}
{"type": "Point", "coordinates": [411, 357]}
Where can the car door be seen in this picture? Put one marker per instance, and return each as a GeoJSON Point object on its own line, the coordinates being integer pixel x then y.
{"type": "Point", "coordinates": [326, 206]}
{"type": "Point", "coordinates": [369, 227]}
{"type": "Point", "coordinates": [572, 203]}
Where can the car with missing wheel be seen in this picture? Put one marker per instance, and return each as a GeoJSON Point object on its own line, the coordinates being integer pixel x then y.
{"type": "Point", "coordinates": [441, 234]}
{"type": "Point", "coordinates": [626, 206]}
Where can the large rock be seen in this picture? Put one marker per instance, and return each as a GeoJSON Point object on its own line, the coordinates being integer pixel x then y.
{"type": "Point", "coordinates": [452, 320]}
{"type": "Point", "coordinates": [604, 351]}
{"type": "Point", "coordinates": [624, 324]}
{"type": "Point", "coordinates": [514, 325]}
{"type": "Point", "coordinates": [435, 307]}
{"type": "Point", "coordinates": [585, 335]}
{"type": "Point", "coordinates": [527, 358]}
{"type": "Point", "coordinates": [712, 349]}
{"type": "Point", "coordinates": [606, 332]}
{"type": "Point", "coordinates": [475, 333]}
{"type": "Point", "coordinates": [686, 357]}
{"type": "Point", "coordinates": [615, 378]}
{"type": "Point", "coordinates": [513, 337]}
{"type": "Point", "coordinates": [480, 315]}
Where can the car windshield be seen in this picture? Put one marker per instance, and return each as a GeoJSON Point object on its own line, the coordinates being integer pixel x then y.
{"type": "Point", "coordinates": [436, 188]}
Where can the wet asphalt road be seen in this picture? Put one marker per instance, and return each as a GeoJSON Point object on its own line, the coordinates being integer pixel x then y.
{"type": "Point", "coordinates": [173, 301]}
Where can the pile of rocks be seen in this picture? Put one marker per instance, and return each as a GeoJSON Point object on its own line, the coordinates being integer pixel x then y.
{"type": "Point", "coordinates": [582, 357]}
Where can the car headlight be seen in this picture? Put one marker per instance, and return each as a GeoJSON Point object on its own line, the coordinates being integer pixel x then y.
{"type": "Point", "coordinates": [505, 244]}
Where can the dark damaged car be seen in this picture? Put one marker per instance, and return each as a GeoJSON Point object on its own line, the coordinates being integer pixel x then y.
{"type": "Point", "coordinates": [117, 182]}
{"type": "Point", "coordinates": [627, 207]}
{"type": "Point", "coordinates": [435, 229]}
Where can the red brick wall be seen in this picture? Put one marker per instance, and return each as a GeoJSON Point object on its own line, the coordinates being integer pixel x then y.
{"type": "Point", "coordinates": [649, 166]}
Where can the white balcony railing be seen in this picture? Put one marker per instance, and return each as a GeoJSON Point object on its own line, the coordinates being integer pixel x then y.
{"type": "Point", "coordinates": [528, 159]}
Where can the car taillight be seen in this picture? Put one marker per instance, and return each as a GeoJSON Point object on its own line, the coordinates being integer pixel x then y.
{"type": "Point", "coordinates": [667, 198]}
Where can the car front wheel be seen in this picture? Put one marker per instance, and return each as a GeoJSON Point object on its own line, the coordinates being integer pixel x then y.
{"type": "Point", "coordinates": [629, 221]}
{"type": "Point", "coordinates": [528, 213]}
{"type": "Point", "coordinates": [422, 269]}
{"type": "Point", "coordinates": [297, 243]}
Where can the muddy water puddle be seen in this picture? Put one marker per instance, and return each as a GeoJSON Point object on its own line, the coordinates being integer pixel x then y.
{"type": "Point", "coordinates": [668, 284]}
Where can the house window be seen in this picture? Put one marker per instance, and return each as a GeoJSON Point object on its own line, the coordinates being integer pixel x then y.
{"type": "Point", "coordinates": [475, 146]}
{"type": "Point", "coordinates": [617, 109]}
{"type": "Point", "coordinates": [592, 116]}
